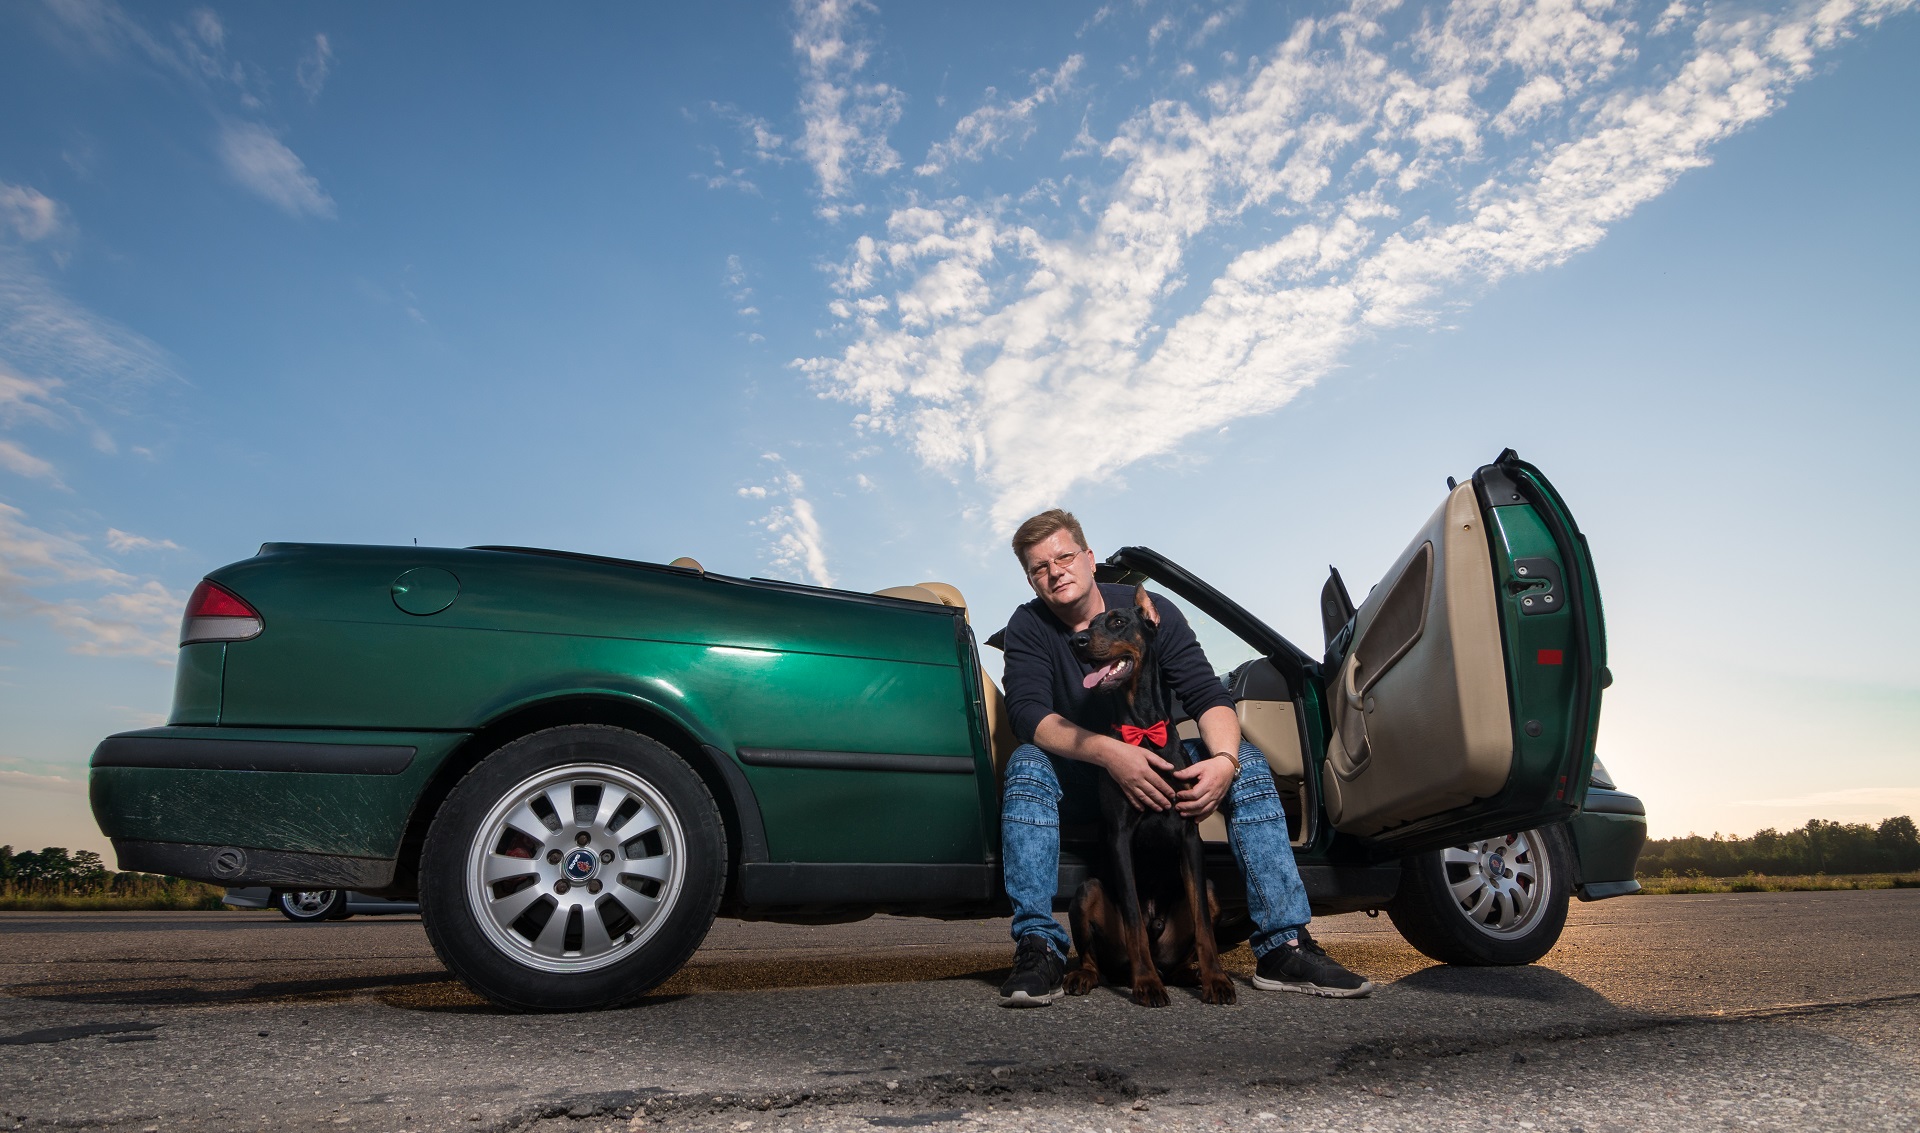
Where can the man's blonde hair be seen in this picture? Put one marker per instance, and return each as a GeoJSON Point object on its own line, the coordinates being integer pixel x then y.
{"type": "Point", "coordinates": [1041, 527]}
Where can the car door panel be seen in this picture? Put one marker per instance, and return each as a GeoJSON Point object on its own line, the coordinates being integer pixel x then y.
{"type": "Point", "coordinates": [1485, 725]}
{"type": "Point", "coordinates": [1421, 721]}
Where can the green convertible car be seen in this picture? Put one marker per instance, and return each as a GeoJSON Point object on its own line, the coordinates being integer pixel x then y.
{"type": "Point", "coordinates": [575, 763]}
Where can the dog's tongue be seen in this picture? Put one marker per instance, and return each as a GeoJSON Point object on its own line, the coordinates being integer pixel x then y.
{"type": "Point", "coordinates": [1098, 675]}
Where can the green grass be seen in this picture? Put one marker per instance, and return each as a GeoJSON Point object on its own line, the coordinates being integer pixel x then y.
{"type": "Point", "coordinates": [1668, 882]}
{"type": "Point", "coordinates": [175, 895]}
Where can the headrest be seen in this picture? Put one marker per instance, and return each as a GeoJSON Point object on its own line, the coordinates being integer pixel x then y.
{"type": "Point", "coordinates": [949, 595]}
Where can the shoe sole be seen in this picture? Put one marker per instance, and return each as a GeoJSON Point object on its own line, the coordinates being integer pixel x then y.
{"type": "Point", "coordinates": [1022, 999]}
{"type": "Point", "coordinates": [1365, 988]}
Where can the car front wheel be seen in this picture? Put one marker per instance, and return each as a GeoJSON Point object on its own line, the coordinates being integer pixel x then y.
{"type": "Point", "coordinates": [306, 905]}
{"type": "Point", "coordinates": [1500, 900]}
{"type": "Point", "coordinates": [574, 868]}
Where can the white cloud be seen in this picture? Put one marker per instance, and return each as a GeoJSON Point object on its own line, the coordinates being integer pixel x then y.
{"type": "Point", "coordinates": [262, 163]}
{"type": "Point", "coordinates": [30, 213]}
{"type": "Point", "coordinates": [987, 128]}
{"type": "Point", "coordinates": [796, 542]}
{"type": "Point", "coordinates": [767, 144]}
{"type": "Point", "coordinates": [1670, 17]}
{"type": "Point", "coordinates": [22, 399]}
{"type": "Point", "coordinates": [20, 462]}
{"type": "Point", "coordinates": [314, 66]}
{"type": "Point", "coordinates": [1353, 182]}
{"type": "Point", "coordinates": [845, 121]}
{"type": "Point", "coordinates": [107, 612]}
{"type": "Point", "coordinates": [120, 542]}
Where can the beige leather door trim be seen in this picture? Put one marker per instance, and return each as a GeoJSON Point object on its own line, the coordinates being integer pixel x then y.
{"type": "Point", "coordinates": [1425, 726]}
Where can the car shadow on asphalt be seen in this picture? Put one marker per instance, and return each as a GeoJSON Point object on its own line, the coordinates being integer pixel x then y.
{"type": "Point", "coordinates": [1530, 982]}
{"type": "Point", "coordinates": [177, 994]}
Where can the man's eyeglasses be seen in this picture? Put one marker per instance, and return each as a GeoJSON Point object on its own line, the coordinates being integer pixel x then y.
{"type": "Point", "coordinates": [1057, 562]}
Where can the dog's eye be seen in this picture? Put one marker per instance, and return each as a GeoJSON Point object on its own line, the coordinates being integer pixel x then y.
{"type": "Point", "coordinates": [1116, 622]}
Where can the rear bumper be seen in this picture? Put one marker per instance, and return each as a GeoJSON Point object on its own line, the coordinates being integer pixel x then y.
{"type": "Point", "coordinates": [1607, 836]}
{"type": "Point", "coordinates": [240, 866]}
{"type": "Point", "coordinates": [263, 806]}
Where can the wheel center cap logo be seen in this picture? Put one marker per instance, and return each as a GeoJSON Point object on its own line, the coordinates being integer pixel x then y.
{"type": "Point", "coordinates": [1498, 865]}
{"type": "Point", "coordinates": [580, 865]}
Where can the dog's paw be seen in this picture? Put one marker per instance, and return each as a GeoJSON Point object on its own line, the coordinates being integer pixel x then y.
{"type": "Point", "coordinates": [1151, 994]}
{"type": "Point", "coordinates": [1218, 989]}
{"type": "Point", "coordinates": [1080, 981]}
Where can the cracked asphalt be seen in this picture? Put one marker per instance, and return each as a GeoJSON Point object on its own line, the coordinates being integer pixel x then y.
{"type": "Point", "coordinates": [1737, 1011]}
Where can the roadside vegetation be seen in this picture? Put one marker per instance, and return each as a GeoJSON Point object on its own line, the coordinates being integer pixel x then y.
{"type": "Point", "coordinates": [56, 879]}
{"type": "Point", "coordinates": [1818, 856]}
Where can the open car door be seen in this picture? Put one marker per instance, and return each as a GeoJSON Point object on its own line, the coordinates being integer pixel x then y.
{"type": "Point", "coordinates": [1463, 695]}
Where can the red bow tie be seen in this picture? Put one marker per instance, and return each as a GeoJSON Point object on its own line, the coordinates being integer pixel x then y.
{"type": "Point", "coordinates": [1139, 737]}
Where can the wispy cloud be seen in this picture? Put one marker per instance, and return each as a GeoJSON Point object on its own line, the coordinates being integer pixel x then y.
{"type": "Point", "coordinates": [106, 611]}
{"type": "Point", "coordinates": [796, 541]}
{"type": "Point", "coordinates": [20, 462]}
{"type": "Point", "coordinates": [63, 345]}
{"type": "Point", "coordinates": [314, 67]}
{"type": "Point", "coordinates": [259, 160]}
{"type": "Point", "coordinates": [739, 290]}
{"type": "Point", "coordinates": [30, 213]}
{"type": "Point", "coordinates": [27, 781]}
{"type": "Point", "coordinates": [120, 542]}
{"type": "Point", "coordinates": [1402, 170]}
{"type": "Point", "coordinates": [845, 121]}
{"type": "Point", "coordinates": [995, 123]}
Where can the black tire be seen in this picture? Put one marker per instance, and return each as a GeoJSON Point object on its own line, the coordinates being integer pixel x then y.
{"type": "Point", "coordinates": [477, 835]}
{"type": "Point", "coordinates": [1440, 891]}
{"type": "Point", "coordinates": [305, 906]}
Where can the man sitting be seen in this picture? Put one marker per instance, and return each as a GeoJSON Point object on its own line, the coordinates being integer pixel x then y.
{"type": "Point", "coordinates": [1047, 692]}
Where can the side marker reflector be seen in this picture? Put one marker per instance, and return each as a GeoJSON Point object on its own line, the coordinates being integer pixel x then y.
{"type": "Point", "coordinates": [1550, 657]}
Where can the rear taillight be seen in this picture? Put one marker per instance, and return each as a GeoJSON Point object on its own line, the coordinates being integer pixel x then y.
{"type": "Point", "coordinates": [215, 613]}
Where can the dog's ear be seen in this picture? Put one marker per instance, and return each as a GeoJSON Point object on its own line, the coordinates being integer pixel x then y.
{"type": "Point", "coordinates": [1145, 601]}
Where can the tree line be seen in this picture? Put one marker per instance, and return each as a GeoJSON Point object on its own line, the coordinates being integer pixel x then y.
{"type": "Point", "coordinates": [1818, 847]}
{"type": "Point", "coordinates": [57, 871]}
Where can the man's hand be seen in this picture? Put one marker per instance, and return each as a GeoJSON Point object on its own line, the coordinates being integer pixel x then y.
{"type": "Point", "coordinates": [1137, 770]}
{"type": "Point", "coordinates": [1208, 783]}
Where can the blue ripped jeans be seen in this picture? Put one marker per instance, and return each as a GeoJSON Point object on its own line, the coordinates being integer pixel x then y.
{"type": "Point", "coordinates": [1040, 788]}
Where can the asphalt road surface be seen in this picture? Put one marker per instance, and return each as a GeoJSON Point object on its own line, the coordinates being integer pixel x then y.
{"type": "Point", "coordinates": [1738, 1011]}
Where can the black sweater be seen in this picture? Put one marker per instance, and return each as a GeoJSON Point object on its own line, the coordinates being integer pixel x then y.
{"type": "Point", "coordinates": [1043, 676]}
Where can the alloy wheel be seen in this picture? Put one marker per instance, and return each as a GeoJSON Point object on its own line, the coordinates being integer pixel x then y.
{"type": "Point", "coordinates": [308, 903]}
{"type": "Point", "coordinates": [576, 867]}
{"type": "Point", "coordinates": [1501, 884]}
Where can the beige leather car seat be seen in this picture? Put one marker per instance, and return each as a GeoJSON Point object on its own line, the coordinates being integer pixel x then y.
{"type": "Point", "coordinates": [1001, 740]}
{"type": "Point", "coordinates": [1273, 727]}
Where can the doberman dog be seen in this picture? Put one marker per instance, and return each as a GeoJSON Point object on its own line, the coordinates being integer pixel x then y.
{"type": "Point", "coordinates": [1146, 915]}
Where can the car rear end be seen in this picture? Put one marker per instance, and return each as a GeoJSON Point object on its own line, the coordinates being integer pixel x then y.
{"type": "Point", "coordinates": [273, 780]}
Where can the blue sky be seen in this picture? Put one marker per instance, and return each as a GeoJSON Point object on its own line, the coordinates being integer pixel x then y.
{"type": "Point", "coordinates": [838, 292]}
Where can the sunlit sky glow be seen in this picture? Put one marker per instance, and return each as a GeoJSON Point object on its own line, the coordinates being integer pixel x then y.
{"type": "Point", "coordinates": [840, 291]}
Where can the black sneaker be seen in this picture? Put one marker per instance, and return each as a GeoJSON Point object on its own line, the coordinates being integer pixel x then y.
{"type": "Point", "coordinates": [1035, 981]}
{"type": "Point", "coordinates": [1304, 966]}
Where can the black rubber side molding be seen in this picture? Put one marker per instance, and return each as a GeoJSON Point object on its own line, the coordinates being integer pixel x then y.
{"type": "Point", "coordinates": [251, 755]}
{"type": "Point", "coordinates": [244, 865]}
{"type": "Point", "coordinates": [856, 760]}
